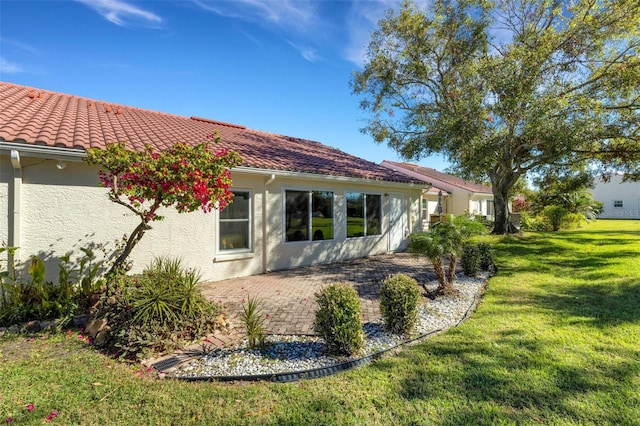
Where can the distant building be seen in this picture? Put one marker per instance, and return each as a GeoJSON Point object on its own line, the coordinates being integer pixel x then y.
{"type": "Point", "coordinates": [459, 196]}
{"type": "Point", "coordinates": [621, 199]}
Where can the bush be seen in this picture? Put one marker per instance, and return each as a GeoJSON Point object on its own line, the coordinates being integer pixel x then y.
{"type": "Point", "coordinates": [37, 299]}
{"type": "Point", "coordinates": [338, 319]}
{"type": "Point", "coordinates": [471, 260]}
{"type": "Point", "coordinates": [156, 311]}
{"type": "Point", "coordinates": [556, 215]}
{"type": "Point", "coordinates": [487, 262]}
{"type": "Point", "coordinates": [399, 296]}
{"type": "Point", "coordinates": [573, 220]}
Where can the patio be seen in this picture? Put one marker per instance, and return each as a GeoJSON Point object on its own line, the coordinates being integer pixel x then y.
{"type": "Point", "coordinates": [287, 297]}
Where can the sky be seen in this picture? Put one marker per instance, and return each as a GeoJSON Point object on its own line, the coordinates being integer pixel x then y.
{"type": "Point", "coordinates": [279, 66]}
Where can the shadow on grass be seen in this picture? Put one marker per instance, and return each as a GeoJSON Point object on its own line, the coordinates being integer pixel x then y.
{"type": "Point", "coordinates": [600, 304]}
{"type": "Point", "coordinates": [509, 380]}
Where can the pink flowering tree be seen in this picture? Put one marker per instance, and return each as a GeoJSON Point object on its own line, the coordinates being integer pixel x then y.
{"type": "Point", "coordinates": [185, 177]}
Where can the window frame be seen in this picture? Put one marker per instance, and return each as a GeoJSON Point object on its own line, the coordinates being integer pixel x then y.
{"type": "Point", "coordinates": [309, 194]}
{"type": "Point", "coordinates": [365, 218]}
{"type": "Point", "coordinates": [248, 220]}
{"type": "Point", "coordinates": [618, 204]}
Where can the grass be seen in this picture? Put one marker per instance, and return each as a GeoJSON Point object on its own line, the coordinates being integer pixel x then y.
{"type": "Point", "coordinates": [555, 341]}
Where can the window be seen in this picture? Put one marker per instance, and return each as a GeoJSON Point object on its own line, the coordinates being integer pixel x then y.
{"type": "Point", "coordinates": [235, 223]}
{"type": "Point", "coordinates": [425, 209]}
{"type": "Point", "coordinates": [308, 215]}
{"type": "Point", "coordinates": [364, 214]}
{"type": "Point", "coordinates": [618, 203]}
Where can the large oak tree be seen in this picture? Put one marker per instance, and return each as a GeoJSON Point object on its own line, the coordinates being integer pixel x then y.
{"type": "Point", "coordinates": [507, 88]}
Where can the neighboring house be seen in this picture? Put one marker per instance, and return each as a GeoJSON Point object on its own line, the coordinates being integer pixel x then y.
{"type": "Point", "coordinates": [297, 202]}
{"type": "Point", "coordinates": [621, 199]}
{"type": "Point", "coordinates": [459, 196]}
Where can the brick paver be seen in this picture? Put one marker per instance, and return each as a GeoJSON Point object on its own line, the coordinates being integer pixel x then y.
{"type": "Point", "coordinates": [287, 297]}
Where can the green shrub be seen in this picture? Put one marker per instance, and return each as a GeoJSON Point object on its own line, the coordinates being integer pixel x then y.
{"type": "Point", "coordinates": [399, 296]}
{"type": "Point", "coordinates": [338, 319]}
{"type": "Point", "coordinates": [573, 220]}
{"type": "Point", "coordinates": [487, 262]}
{"type": "Point", "coordinates": [556, 215]}
{"type": "Point", "coordinates": [156, 311]}
{"type": "Point", "coordinates": [471, 260]}
{"type": "Point", "coordinates": [253, 322]}
{"type": "Point", "coordinates": [38, 299]}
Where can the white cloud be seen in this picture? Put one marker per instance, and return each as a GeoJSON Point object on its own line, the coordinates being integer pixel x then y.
{"type": "Point", "coordinates": [292, 15]}
{"type": "Point", "coordinates": [363, 18]}
{"type": "Point", "coordinates": [24, 47]}
{"type": "Point", "coordinates": [308, 53]}
{"type": "Point", "coordinates": [124, 14]}
{"type": "Point", "coordinates": [7, 67]}
{"type": "Point", "coordinates": [298, 22]}
{"type": "Point", "coordinates": [308, 25]}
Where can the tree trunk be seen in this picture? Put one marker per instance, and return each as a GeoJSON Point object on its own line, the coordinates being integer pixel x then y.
{"type": "Point", "coordinates": [135, 236]}
{"type": "Point", "coordinates": [451, 273]}
{"type": "Point", "coordinates": [438, 267]}
{"type": "Point", "coordinates": [501, 184]}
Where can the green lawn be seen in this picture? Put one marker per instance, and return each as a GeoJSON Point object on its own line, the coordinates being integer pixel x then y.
{"type": "Point", "coordinates": [556, 340]}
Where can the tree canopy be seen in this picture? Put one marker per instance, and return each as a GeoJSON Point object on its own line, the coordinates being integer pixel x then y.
{"type": "Point", "coordinates": [506, 88]}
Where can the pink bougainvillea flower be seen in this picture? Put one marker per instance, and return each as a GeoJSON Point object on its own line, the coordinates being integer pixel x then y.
{"type": "Point", "coordinates": [51, 416]}
{"type": "Point", "coordinates": [9, 420]}
{"type": "Point", "coordinates": [30, 407]}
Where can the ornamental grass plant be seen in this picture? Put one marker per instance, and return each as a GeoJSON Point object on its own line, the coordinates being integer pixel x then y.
{"type": "Point", "coordinates": [156, 311]}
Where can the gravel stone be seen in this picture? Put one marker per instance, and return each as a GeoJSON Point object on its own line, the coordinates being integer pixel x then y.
{"type": "Point", "coordinates": [288, 354]}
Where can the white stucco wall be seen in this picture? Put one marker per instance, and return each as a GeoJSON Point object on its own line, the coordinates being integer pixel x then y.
{"type": "Point", "coordinates": [615, 190]}
{"type": "Point", "coordinates": [64, 210]}
{"type": "Point", "coordinates": [6, 176]}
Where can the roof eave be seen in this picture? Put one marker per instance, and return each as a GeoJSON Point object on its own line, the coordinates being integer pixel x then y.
{"type": "Point", "coordinates": [42, 151]}
{"type": "Point", "coordinates": [324, 177]}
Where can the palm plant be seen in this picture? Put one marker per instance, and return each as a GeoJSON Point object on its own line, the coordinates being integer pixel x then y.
{"type": "Point", "coordinates": [446, 239]}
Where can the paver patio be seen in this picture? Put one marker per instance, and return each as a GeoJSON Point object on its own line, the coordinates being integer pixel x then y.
{"type": "Point", "coordinates": [287, 297]}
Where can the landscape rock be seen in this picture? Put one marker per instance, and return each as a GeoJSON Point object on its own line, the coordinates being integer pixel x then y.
{"type": "Point", "coordinates": [95, 326]}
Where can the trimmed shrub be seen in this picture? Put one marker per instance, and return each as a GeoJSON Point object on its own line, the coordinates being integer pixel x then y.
{"type": "Point", "coordinates": [470, 260]}
{"type": "Point", "coordinates": [399, 296]}
{"type": "Point", "coordinates": [337, 319]}
{"type": "Point", "coordinates": [486, 257]}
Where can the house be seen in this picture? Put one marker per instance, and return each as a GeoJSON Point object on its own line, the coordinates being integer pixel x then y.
{"type": "Point", "coordinates": [621, 199]}
{"type": "Point", "coordinates": [459, 196]}
{"type": "Point", "coordinates": [296, 202]}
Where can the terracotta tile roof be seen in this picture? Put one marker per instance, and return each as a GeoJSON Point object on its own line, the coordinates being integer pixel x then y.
{"type": "Point", "coordinates": [430, 175]}
{"type": "Point", "coordinates": [41, 117]}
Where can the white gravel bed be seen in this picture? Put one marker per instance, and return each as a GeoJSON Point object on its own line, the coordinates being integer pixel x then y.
{"type": "Point", "coordinates": [287, 354]}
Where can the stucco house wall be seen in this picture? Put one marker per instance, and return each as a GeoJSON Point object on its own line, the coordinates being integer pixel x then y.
{"type": "Point", "coordinates": [621, 199]}
{"type": "Point", "coordinates": [63, 210]}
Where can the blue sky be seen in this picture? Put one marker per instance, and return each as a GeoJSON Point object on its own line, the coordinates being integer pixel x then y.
{"type": "Point", "coordinates": [274, 65]}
